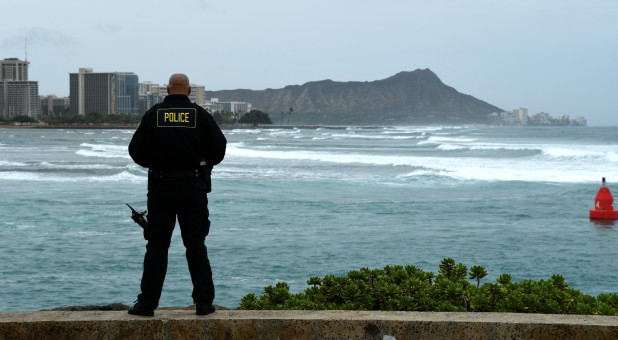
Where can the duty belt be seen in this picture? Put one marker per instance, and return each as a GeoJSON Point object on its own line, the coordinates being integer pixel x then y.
{"type": "Point", "coordinates": [160, 174]}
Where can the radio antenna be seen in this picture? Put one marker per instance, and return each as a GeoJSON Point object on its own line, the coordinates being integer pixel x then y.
{"type": "Point", "coordinates": [26, 47]}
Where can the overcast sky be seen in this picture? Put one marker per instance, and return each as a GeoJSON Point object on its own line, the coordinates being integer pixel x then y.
{"type": "Point", "coordinates": [555, 56]}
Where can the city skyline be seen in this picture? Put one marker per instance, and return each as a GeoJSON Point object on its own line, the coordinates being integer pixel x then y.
{"type": "Point", "coordinates": [122, 92]}
{"type": "Point", "coordinates": [553, 56]}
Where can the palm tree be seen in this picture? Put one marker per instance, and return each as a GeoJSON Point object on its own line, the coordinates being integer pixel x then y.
{"type": "Point", "coordinates": [289, 114]}
{"type": "Point", "coordinates": [477, 272]}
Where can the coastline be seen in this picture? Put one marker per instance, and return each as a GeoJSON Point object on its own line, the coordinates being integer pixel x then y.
{"type": "Point", "coordinates": [263, 126]}
{"type": "Point", "coordinates": [134, 126]}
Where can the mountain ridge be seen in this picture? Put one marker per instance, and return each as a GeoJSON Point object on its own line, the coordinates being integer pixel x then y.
{"type": "Point", "coordinates": [408, 97]}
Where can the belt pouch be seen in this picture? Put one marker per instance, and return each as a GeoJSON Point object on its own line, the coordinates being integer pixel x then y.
{"type": "Point", "coordinates": [154, 176]}
{"type": "Point", "coordinates": [205, 176]}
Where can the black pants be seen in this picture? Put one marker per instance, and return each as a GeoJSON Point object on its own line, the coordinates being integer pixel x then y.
{"type": "Point", "coordinates": [185, 198]}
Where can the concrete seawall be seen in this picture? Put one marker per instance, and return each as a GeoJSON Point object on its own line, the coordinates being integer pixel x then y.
{"type": "Point", "coordinates": [240, 325]}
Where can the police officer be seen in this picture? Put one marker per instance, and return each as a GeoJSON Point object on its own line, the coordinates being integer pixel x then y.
{"type": "Point", "coordinates": [179, 142]}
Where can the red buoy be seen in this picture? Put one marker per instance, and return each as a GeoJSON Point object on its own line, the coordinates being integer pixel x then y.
{"type": "Point", "coordinates": [603, 205]}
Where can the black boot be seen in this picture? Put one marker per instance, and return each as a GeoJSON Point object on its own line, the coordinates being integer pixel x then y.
{"type": "Point", "coordinates": [139, 309]}
{"type": "Point", "coordinates": [203, 309]}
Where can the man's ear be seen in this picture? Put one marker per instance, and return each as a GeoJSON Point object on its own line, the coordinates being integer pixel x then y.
{"type": "Point", "coordinates": [168, 89]}
{"type": "Point", "coordinates": [189, 91]}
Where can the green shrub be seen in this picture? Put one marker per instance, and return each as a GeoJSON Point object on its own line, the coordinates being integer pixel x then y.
{"type": "Point", "coordinates": [399, 288]}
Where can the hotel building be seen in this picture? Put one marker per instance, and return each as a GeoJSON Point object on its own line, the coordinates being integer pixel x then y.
{"type": "Point", "coordinates": [103, 93]}
{"type": "Point", "coordinates": [18, 95]}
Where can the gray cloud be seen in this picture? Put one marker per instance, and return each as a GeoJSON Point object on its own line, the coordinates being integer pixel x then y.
{"type": "Point", "coordinates": [109, 28]}
{"type": "Point", "coordinates": [39, 36]}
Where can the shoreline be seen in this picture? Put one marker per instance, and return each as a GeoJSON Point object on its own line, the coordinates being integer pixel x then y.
{"type": "Point", "coordinates": [270, 126]}
{"type": "Point", "coordinates": [134, 126]}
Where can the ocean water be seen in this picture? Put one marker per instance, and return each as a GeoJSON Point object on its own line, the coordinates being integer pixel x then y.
{"type": "Point", "coordinates": [288, 204]}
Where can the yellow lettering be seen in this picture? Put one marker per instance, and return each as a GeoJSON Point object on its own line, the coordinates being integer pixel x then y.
{"type": "Point", "coordinates": [177, 117]}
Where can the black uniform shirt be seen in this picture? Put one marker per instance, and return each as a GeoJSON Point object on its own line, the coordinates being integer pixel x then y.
{"type": "Point", "coordinates": [177, 134]}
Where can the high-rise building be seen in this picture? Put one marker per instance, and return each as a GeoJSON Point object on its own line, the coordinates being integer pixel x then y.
{"type": "Point", "coordinates": [103, 93]}
{"type": "Point", "coordinates": [236, 107]}
{"type": "Point", "coordinates": [18, 95]}
{"type": "Point", "coordinates": [14, 69]}
{"type": "Point", "coordinates": [522, 115]}
{"type": "Point", "coordinates": [151, 93]}
{"type": "Point", "coordinates": [52, 105]}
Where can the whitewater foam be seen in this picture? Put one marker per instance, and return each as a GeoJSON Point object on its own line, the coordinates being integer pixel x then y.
{"type": "Point", "coordinates": [24, 176]}
{"type": "Point", "coordinates": [103, 150]}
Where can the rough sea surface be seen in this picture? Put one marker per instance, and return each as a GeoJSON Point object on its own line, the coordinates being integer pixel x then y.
{"type": "Point", "coordinates": [288, 204]}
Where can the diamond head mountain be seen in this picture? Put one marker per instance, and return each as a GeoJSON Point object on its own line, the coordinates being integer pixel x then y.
{"type": "Point", "coordinates": [415, 97]}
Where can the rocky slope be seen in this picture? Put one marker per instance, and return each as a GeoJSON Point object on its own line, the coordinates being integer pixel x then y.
{"type": "Point", "coordinates": [416, 97]}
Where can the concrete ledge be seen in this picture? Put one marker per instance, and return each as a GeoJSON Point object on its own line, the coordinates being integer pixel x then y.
{"type": "Point", "coordinates": [238, 325]}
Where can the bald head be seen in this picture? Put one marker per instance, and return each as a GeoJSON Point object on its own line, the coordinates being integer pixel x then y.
{"type": "Point", "coordinates": [179, 84]}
